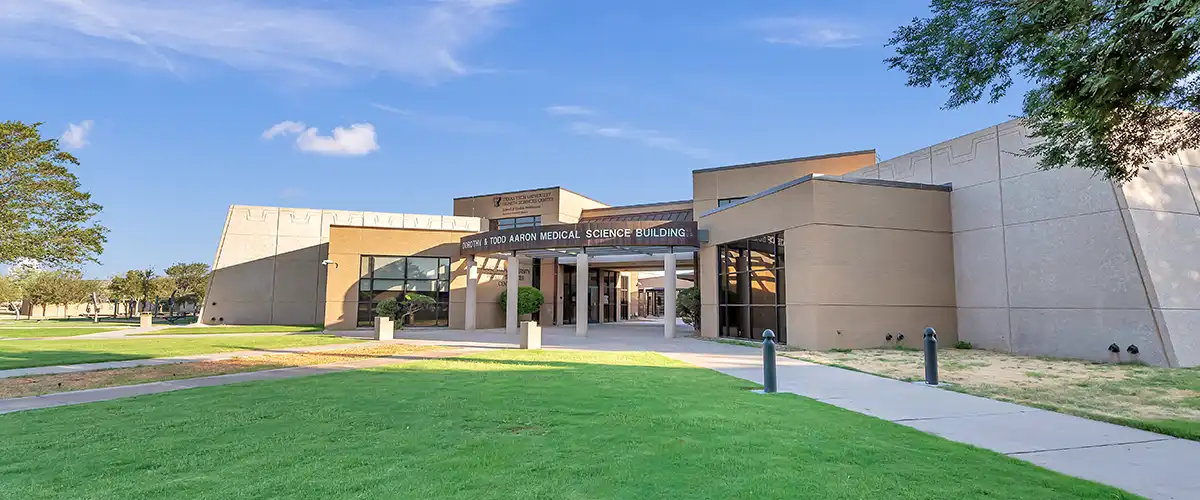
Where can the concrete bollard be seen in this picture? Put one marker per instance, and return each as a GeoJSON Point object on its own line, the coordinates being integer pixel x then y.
{"type": "Point", "coordinates": [931, 362]}
{"type": "Point", "coordinates": [385, 328]}
{"type": "Point", "coordinates": [770, 381]}
{"type": "Point", "coordinates": [531, 335]}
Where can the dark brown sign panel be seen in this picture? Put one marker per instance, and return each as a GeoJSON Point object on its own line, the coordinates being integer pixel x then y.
{"type": "Point", "coordinates": [583, 234]}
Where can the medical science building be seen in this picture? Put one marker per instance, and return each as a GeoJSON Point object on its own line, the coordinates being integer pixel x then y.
{"type": "Point", "coordinates": [832, 251]}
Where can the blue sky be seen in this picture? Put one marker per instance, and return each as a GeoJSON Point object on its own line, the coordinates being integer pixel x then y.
{"type": "Point", "coordinates": [178, 109]}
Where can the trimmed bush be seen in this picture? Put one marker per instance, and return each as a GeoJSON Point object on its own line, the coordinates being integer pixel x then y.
{"type": "Point", "coordinates": [687, 305]}
{"type": "Point", "coordinates": [529, 299]}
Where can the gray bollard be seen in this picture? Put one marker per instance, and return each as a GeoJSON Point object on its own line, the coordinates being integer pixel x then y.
{"type": "Point", "coordinates": [770, 382]}
{"type": "Point", "coordinates": [931, 363]}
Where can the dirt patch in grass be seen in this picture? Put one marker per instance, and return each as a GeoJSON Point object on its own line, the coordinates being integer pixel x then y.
{"type": "Point", "coordinates": [1158, 399]}
{"type": "Point", "coordinates": [46, 384]}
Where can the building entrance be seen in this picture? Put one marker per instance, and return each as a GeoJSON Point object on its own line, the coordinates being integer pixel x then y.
{"type": "Point", "coordinates": [604, 289]}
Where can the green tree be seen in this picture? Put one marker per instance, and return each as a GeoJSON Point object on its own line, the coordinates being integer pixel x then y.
{"type": "Point", "coordinates": [1114, 82]}
{"type": "Point", "coordinates": [55, 287]}
{"type": "Point", "coordinates": [11, 293]}
{"type": "Point", "coordinates": [687, 303]}
{"type": "Point", "coordinates": [136, 286]}
{"type": "Point", "coordinates": [403, 310]}
{"type": "Point", "coordinates": [43, 214]}
{"type": "Point", "coordinates": [188, 281]}
{"type": "Point", "coordinates": [529, 299]}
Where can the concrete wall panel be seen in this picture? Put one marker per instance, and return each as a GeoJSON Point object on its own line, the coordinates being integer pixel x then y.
{"type": "Point", "coordinates": [1184, 328]}
{"type": "Point", "coordinates": [1162, 187]}
{"type": "Point", "coordinates": [1055, 193]}
{"type": "Point", "coordinates": [1074, 262]}
{"type": "Point", "coordinates": [976, 207]}
{"type": "Point", "coordinates": [912, 167]}
{"type": "Point", "coordinates": [984, 328]}
{"type": "Point", "coordinates": [1086, 333]}
{"type": "Point", "coordinates": [979, 269]}
{"type": "Point", "coordinates": [968, 160]}
{"type": "Point", "coordinates": [1170, 243]}
{"type": "Point", "coordinates": [1013, 139]}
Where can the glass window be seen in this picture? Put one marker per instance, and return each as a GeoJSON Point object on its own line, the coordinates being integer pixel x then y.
{"type": "Point", "coordinates": [729, 201]}
{"type": "Point", "coordinates": [425, 268]}
{"type": "Point", "coordinates": [516, 222]}
{"type": "Point", "coordinates": [750, 284]}
{"type": "Point", "coordinates": [384, 277]}
{"type": "Point", "coordinates": [388, 267]}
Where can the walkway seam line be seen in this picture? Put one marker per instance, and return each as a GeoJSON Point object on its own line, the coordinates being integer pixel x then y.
{"type": "Point", "coordinates": [1028, 452]}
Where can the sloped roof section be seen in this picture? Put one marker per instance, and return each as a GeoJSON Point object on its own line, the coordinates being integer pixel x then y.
{"type": "Point", "coordinates": [670, 215]}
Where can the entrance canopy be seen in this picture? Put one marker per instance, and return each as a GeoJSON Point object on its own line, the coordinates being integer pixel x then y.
{"type": "Point", "coordinates": [592, 238]}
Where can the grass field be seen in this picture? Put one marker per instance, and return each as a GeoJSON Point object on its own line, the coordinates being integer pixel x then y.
{"type": "Point", "coordinates": [206, 330]}
{"type": "Point", "coordinates": [57, 331]}
{"type": "Point", "coordinates": [1164, 400]}
{"type": "Point", "coordinates": [506, 424]}
{"type": "Point", "coordinates": [15, 387]}
{"type": "Point", "coordinates": [26, 353]}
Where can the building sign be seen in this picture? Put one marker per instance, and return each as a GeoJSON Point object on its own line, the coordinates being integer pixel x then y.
{"type": "Point", "coordinates": [583, 234]}
{"type": "Point", "coordinates": [512, 205]}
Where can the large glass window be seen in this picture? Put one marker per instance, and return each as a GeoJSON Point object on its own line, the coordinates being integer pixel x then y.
{"type": "Point", "coordinates": [515, 222]}
{"type": "Point", "coordinates": [383, 277]}
{"type": "Point", "coordinates": [751, 292]}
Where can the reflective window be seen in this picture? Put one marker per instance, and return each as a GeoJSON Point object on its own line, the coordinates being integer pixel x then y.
{"type": "Point", "coordinates": [384, 277]}
{"type": "Point", "coordinates": [515, 222]}
{"type": "Point", "coordinates": [729, 201]}
{"type": "Point", "coordinates": [751, 291]}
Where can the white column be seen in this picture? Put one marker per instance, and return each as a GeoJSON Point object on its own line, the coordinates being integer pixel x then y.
{"type": "Point", "coordinates": [510, 322]}
{"type": "Point", "coordinates": [669, 296]}
{"type": "Point", "coordinates": [581, 295]}
{"type": "Point", "coordinates": [472, 281]}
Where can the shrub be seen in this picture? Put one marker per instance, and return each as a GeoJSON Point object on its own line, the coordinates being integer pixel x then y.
{"type": "Point", "coordinates": [401, 309]}
{"type": "Point", "coordinates": [529, 299]}
{"type": "Point", "coordinates": [687, 305]}
{"type": "Point", "coordinates": [962, 344]}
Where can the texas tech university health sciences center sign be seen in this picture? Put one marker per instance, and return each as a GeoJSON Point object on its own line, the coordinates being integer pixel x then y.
{"type": "Point", "coordinates": [583, 234]}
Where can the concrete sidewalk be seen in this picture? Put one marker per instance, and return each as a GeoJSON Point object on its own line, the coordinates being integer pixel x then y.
{"type": "Point", "coordinates": [50, 370]}
{"type": "Point", "coordinates": [1148, 464]}
{"type": "Point", "coordinates": [108, 393]}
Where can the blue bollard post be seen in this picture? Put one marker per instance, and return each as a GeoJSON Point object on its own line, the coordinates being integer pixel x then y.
{"type": "Point", "coordinates": [770, 383]}
{"type": "Point", "coordinates": [931, 363]}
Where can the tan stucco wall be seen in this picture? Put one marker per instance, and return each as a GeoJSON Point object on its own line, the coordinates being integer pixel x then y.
{"type": "Point", "coordinates": [555, 205]}
{"type": "Point", "coordinates": [267, 268]}
{"type": "Point", "coordinates": [347, 245]}
{"type": "Point", "coordinates": [711, 185]}
{"type": "Point", "coordinates": [1060, 263]}
{"type": "Point", "coordinates": [571, 205]}
{"type": "Point", "coordinates": [861, 261]}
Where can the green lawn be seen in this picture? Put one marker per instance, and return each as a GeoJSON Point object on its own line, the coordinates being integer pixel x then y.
{"type": "Point", "coordinates": [26, 353]}
{"type": "Point", "coordinates": [197, 330]}
{"type": "Point", "coordinates": [506, 424]}
{"type": "Point", "coordinates": [49, 332]}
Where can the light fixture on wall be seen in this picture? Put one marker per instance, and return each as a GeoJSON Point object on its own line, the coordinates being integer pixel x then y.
{"type": "Point", "coordinates": [327, 262]}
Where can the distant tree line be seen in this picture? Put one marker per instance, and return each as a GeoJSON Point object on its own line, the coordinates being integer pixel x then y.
{"type": "Point", "coordinates": [132, 292]}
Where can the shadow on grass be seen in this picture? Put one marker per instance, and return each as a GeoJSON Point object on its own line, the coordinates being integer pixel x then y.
{"type": "Point", "coordinates": [503, 424]}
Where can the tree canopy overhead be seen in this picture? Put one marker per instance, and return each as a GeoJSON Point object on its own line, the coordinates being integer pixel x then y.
{"type": "Point", "coordinates": [1115, 82]}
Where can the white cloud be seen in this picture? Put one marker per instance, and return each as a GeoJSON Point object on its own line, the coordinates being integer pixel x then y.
{"type": "Point", "coordinates": [357, 140]}
{"type": "Point", "coordinates": [808, 32]}
{"type": "Point", "coordinates": [649, 138]}
{"type": "Point", "coordinates": [569, 110]}
{"type": "Point", "coordinates": [76, 135]}
{"type": "Point", "coordinates": [301, 38]}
